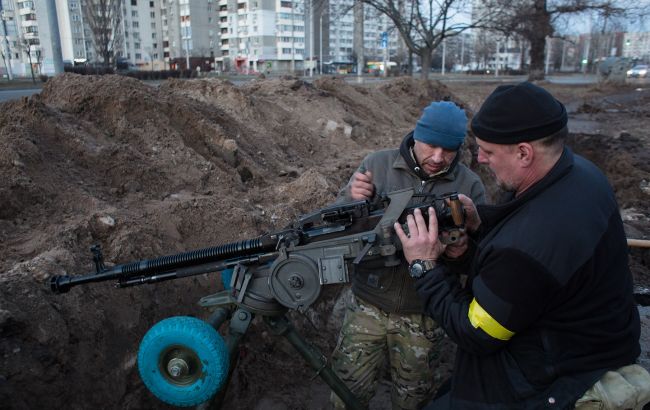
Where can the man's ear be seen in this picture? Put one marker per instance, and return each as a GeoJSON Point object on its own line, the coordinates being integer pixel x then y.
{"type": "Point", "coordinates": [525, 153]}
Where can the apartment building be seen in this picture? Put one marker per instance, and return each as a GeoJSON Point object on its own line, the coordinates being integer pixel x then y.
{"type": "Point", "coordinates": [76, 45]}
{"type": "Point", "coordinates": [261, 35]}
{"type": "Point", "coordinates": [26, 31]}
{"type": "Point", "coordinates": [637, 46]}
{"type": "Point", "coordinates": [189, 32]}
{"type": "Point", "coordinates": [334, 34]}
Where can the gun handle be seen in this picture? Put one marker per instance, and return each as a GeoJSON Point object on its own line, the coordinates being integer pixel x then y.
{"type": "Point", "coordinates": [457, 210]}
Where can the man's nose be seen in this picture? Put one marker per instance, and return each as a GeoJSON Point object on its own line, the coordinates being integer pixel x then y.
{"type": "Point", "coordinates": [436, 154]}
{"type": "Point", "coordinates": [480, 157]}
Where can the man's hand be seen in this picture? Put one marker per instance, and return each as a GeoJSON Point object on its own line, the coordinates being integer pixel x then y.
{"type": "Point", "coordinates": [472, 220]}
{"type": "Point", "coordinates": [457, 249]}
{"type": "Point", "coordinates": [422, 241]}
{"type": "Point", "coordinates": [362, 186]}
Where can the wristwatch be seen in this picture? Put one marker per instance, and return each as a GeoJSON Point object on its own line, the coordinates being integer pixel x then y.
{"type": "Point", "coordinates": [419, 266]}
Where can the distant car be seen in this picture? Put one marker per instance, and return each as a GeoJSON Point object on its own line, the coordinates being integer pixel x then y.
{"type": "Point", "coordinates": [638, 71]}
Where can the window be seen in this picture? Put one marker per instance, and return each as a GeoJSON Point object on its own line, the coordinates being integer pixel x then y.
{"type": "Point", "coordinates": [136, 46]}
{"type": "Point", "coordinates": [138, 56]}
{"type": "Point", "coordinates": [152, 14]}
{"type": "Point", "coordinates": [153, 26]}
{"type": "Point", "coordinates": [151, 4]}
{"type": "Point", "coordinates": [134, 13]}
{"type": "Point", "coordinates": [154, 45]}
{"type": "Point", "coordinates": [286, 51]}
{"type": "Point", "coordinates": [136, 24]}
{"type": "Point", "coordinates": [153, 35]}
{"type": "Point", "coordinates": [134, 2]}
{"type": "Point", "coordinates": [287, 4]}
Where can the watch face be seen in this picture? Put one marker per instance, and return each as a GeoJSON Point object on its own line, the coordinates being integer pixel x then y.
{"type": "Point", "coordinates": [416, 270]}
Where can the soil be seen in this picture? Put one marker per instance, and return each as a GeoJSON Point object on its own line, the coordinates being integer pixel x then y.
{"type": "Point", "coordinates": [148, 170]}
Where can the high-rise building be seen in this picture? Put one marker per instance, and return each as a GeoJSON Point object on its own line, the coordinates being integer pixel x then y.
{"type": "Point", "coordinates": [334, 35]}
{"type": "Point", "coordinates": [261, 35]}
{"type": "Point", "coordinates": [189, 32]}
{"type": "Point", "coordinates": [29, 37]}
{"type": "Point", "coordinates": [637, 46]}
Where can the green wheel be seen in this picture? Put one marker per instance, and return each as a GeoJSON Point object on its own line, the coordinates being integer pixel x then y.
{"type": "Point", "coordinates": [183, 361]}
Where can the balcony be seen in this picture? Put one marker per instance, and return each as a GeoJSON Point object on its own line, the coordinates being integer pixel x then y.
{"type": "Point", "coordinates": [28, 23]}
{"type": "Point", "coordinates": [26, 10]}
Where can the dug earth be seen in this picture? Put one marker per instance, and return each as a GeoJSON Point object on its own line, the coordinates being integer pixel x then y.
{"type": "Point", "coordinates": [149, 171]}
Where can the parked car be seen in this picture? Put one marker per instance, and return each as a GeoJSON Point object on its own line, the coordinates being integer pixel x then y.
{"type": "Point", "coordinates": [640, 70]}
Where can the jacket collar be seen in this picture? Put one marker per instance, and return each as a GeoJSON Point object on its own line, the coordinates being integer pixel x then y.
{"type": "Point", "coordinates": [407, 160]}
{"type": "Point", "coordinates": [491, 215]}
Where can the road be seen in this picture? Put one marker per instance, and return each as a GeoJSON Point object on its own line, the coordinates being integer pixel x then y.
{"type": "Point", "coordinates": [13, 94]}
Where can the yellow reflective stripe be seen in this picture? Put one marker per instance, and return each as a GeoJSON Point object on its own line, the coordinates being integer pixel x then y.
{"type": "Point", "coordinates": [478, 317]}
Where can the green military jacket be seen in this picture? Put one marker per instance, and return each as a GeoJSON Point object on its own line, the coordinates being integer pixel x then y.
{"type": "Point", "coordinates": [391, 288]}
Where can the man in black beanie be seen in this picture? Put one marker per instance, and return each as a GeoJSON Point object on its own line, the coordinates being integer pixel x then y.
{"type": "Point", "coordinates": [547, 318]}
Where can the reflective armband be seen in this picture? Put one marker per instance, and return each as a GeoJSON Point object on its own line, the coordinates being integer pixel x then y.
{"type": "Point", "coordinates": [478, 317]}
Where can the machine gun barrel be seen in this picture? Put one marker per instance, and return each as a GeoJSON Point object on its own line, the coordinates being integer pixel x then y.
{"type": "Point", "coordinates": [170, 266]}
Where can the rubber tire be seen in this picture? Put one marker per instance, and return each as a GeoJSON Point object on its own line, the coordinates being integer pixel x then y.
{"type": "Point", "coordinates": [195, 335]}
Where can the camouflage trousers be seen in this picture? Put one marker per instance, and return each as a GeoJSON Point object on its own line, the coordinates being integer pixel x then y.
{"type": "Point", "coordinates": [369, 336]}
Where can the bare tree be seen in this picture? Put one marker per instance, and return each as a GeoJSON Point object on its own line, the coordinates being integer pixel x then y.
{"type": "Point", "coordinates": [535, 20]}
{"type": "Point", "coordinates": [25, 45]}
{"type": "Point", "coordinates": [104, 20]}
{"type": "Point", "coordinates": [424, 24]}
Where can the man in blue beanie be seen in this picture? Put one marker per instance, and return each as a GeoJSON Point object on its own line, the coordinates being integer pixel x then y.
{"type": "Point", "coordinates": [384, 316]}
{"type": "Point", "coordinates": [546, 318]}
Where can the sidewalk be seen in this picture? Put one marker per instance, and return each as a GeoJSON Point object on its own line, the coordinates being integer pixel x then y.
{"type": "Point", "coordinates": [20, 83]}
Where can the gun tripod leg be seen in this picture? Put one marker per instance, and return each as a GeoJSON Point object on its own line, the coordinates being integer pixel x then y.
{"type": "Point", "coordinates": [281, 326]}
{"type": "Point", "coordinates": [239, 323]}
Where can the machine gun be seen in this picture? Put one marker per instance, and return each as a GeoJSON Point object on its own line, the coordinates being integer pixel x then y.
{"type": "Point", "coordinates": [185, 362]}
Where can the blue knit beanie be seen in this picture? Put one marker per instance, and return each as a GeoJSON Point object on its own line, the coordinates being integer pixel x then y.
{"type": "Point", "coordinates": [442, 124]}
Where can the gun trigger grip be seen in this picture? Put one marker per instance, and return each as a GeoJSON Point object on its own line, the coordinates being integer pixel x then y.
{"type": "Point", "coordinates": [363, 253]}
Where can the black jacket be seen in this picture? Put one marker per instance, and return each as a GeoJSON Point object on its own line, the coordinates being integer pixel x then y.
{"type": "Point", "coordinates": [550, 308]}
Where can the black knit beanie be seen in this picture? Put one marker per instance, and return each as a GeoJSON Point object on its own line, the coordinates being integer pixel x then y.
{"type": "Point", "coordinates": [518, 113]}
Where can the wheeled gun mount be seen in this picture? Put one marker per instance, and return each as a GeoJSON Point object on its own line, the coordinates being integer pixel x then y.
{"type": "Point", "coordinates": [185, 362]}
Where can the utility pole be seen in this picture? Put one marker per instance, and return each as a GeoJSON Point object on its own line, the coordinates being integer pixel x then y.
{"type": "Point", "coordinates": [293, 47]}
{"type": "Point", "coordinates": [6, 53]}
{"type": "Point", "coordinates": [187, 53]}
{"type": "Point", "coordinates": [358, 37]}
{"type": "Point", "coordinates": [320, 49]}
{"type": "Point", "coordinates": [311, 38]}
{"type": "Point", "coordinates": [462, 50]}
{"type": "Point", "coordinates": [548, 54]}
{"type": "Point", "coordinates": [496, 70]}
{"type": "Point", "coordinates": [444, 52]}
